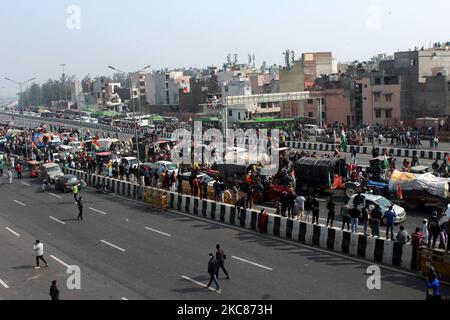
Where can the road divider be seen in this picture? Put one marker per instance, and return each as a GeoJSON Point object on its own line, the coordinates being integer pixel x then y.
{"type": "Point", "coordinates": [13, 232]}
{"type": "Point", "coordinates": [112, 245]}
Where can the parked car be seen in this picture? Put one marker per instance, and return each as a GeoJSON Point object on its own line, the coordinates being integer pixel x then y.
{"type": "Point", "coordinates": [168, 166]}
{"type": "Point", "coordinates": [313, 130]}
{"type": "Point", "coordinates": [384, 204]}
{"type": "Point", "coordinates": [67, 182]}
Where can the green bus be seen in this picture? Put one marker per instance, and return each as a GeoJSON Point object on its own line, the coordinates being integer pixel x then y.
{"type": "Point", "coordinates": [268, 123]}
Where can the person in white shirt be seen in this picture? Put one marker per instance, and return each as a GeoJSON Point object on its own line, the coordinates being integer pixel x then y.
{"type": "Point", "coordinates": [300, 207]}
{"type": "Point", "coordinates": [425, 231]}
{"type": "Point", "coordinates": [39, 249]}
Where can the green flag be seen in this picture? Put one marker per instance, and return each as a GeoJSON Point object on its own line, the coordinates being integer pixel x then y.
{"type": "Point", "coordinates": [343, 139]}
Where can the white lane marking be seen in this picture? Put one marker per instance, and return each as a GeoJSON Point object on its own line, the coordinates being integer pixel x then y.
{"type": "Point", "coordinates": [59, 221]}
{"type": "Point", "coordinates": [197, 283]}
{"type": "Point", "coordinates": [163, 233]}
{"type": "Point", "coordinates": [28, 185]}
{"type": "Point", "coordinates": [253, 263]}
{"type": "Point", "coordinates": [112, 245]}
{"type": "Point", "coordinates": [60, 261]}
{"type": "Point", "coordinates": [12, 231]}
{"type": "Point", "coordinates": [23, 205]}
{"type": "Point", "coordinates": [333, 253]}
{"type": "Point", "coordinates": [123, 298]}
{"type": "Point", "coordinates": [3, 283]}
{"type": "Point", "coordinates": [55, 195]}
{"type": "Point", "coordinates": [98, 211]}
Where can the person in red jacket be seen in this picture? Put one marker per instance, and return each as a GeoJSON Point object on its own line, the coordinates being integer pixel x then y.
{"type": "Point", "coordinates": [263, 220]}
{"type": "Point", "coordinates": [19, 171]}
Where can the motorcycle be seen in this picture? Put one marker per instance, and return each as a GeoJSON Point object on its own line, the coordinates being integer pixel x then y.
{"type": "Point", "coordinates": [103, 188]}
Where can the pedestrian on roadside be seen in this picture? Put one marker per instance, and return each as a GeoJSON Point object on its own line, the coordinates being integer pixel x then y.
{"type": "Point", "coordinates": [433, 287]}
{"type": "Point", "coordinates": [212, 271]}
{"type": "Point", "coordinates": [39, 250]}
{"type": "Point", "coordinates": [376, 216]}
{"type": "Point", "coordinates": [249, 193]}
{"type": "Point", "coordinates": [425, 232]}
{"type": "Point", "coordinates": [354, 215]}
{"type": "Point", "coordinates": [365, 214]}
{"type": "Point", "coordinates": [54, 292]}
{"type": "Point", "coordinates": [80, 209]}
{"type": "Point", "coordinates": [10, 175]}
{"type": "Point", "coordinates": [19, 171]}
{"type": "Point", "coordinates": [221, 257]}
{"type": "Point", "coordinates": [390, 216]}
{"type": "Point", "coordinates": [403, 236]}
{"type": "Point", "coordinates": [300, 207]}
{"type": "Point", "coordinates": [315, 210]}
{"type": "Point", "coordinates": [331, 206]}
{"type": "Point", "coordinates": [433, 229]}
{"type": "Point", "coordinates": [308, 208]}
{"type": "Point", "coordinates": [416, 242]}
{"type": "Point", "coordinates": [345, 217]}
{"type": "Point", "coordinates": [290, 205]}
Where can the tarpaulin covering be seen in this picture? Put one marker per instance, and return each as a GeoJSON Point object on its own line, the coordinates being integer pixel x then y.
{"type": "Point", "coordinates": [426, 182]}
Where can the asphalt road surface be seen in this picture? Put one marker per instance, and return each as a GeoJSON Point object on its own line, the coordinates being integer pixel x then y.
{"type": "Point", "coordinates": [125, 250]}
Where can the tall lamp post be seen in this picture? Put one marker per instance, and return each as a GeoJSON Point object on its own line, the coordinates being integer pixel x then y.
{"type": "Point", "coordinates": [373, 113]}
{"type": "Point", "coordinates": [23, 109]}
{"type": "Point", "coordinates": [134, 111]}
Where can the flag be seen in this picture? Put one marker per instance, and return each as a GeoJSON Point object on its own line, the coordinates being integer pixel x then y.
{"type": "Point", "coordinates": [386, 163]}
{"type": "Point", "coordinates": [399, 192]}
{"type": "Point", "coordinates": [330, 183]}
{"type": "Point", "coordinates": [343, 139]}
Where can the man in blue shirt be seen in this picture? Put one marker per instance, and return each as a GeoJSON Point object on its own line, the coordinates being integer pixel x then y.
{"type": "Point", "coordinates": [390, 216]}
{"type": "Point", "coordinates": [433, 288]}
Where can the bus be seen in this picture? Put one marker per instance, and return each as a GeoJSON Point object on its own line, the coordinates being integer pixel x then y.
{"type": "Point", "coordinates": [268, 123]}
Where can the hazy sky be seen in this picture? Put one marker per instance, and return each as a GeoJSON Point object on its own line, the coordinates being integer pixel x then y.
{"type": "Point", "coordinates": [35, 38]}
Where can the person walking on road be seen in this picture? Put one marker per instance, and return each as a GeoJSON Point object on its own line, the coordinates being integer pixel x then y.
{"type": "Point", "coordinates": [212, 271]}
{"type": "Point", "coordinates": [19, 171]}
{"type": "Point", "coordinates": [39, 249]}
{"type": "Point", "coordinates": [10, 175]}
{"type": "Point", "coordinates": [75, 193]}
{"type": "Point", "coordinates": [80, 209]}
{"type": "Point", "coordinates": [220, 258]}
{"type": "Point", "coordinates": [54, 292]}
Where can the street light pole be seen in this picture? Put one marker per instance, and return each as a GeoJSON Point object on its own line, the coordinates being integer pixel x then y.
{"type": "Point", "coordinates": [134, 112]}
{"type": "Point", "coordinates": [23, 109]}
{"type": "Point", "coordinates": [373, 113]}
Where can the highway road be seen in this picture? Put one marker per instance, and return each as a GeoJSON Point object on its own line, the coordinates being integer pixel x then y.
{"type": "Point", "coordinates": [125, 250]}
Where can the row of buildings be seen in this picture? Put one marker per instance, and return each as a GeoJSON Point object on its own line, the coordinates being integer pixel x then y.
{"type": "Point", "coordinates": [386, 90]}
